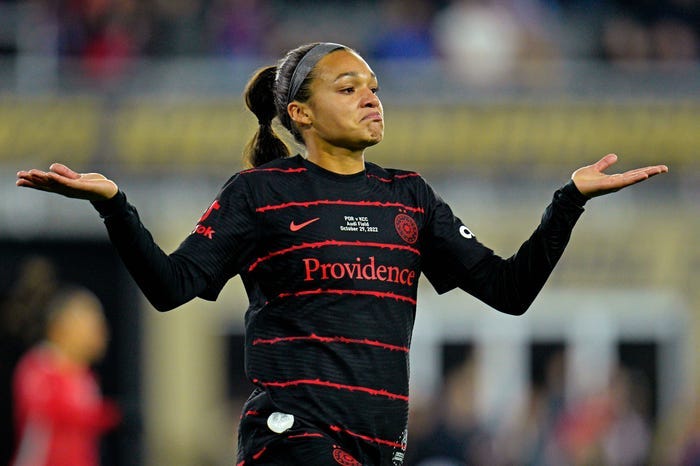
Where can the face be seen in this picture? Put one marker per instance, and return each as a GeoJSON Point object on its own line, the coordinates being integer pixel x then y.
{"type": "Point", "coordinates": [81, 330]}
{"type": "Point", "coordinates": [344, 110]}
{"type": "Point", "coordinates": [91, 332]}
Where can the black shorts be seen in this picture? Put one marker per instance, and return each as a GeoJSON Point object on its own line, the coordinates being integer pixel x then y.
{"type": "Point", "coordinates": [267, 437]}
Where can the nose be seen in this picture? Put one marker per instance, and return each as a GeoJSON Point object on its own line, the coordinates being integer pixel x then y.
{"type": "Point", "coordinates": [370, 99]}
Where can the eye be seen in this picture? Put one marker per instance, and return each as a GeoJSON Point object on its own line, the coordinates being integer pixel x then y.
{"type": "Point", "coordinates": [347, 90]}
{"type": "Point", "coordinates": [374, 89]}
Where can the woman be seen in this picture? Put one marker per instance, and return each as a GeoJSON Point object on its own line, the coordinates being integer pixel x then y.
{"type": "Point", "coordinates": [60, 413]}
{"type": "Point", "coordinates": [329, 248]}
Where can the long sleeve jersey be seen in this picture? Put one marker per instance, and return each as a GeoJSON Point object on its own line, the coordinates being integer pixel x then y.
{"type": "Point", "coordinates": [331, 265]}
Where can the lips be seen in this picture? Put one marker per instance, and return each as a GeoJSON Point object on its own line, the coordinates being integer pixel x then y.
{"type": "Point", "coordinates": [374, 116]}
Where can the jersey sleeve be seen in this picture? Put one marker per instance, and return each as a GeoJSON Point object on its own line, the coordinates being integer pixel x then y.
{"type": "Point", "coordinates": [224, 238]}
{"type": "Point", "coordinates": [201, 265]}
{"type": "Point", "coordinates": [450, 248]}
{"type": "Point", "coordinates": [454, 257]}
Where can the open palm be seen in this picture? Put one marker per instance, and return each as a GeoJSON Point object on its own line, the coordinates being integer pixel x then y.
{"type": "Point", "coordinates": [591, 181]}
{"type": "Point", "coordinates": [62, 180]}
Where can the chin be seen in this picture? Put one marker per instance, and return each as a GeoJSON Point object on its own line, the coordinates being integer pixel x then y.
{"type": "Point", "coordinates": [369, 141]}
{"type": "Point", "coordinates": [375, 139]}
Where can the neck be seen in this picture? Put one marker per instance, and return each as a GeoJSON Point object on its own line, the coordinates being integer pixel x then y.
{"type": "Point", "coordinates": [65, 357]}
{"type": "Point", "coordinates": [336, 159]}
{"type": "Point", "coordinates": [347, 163]}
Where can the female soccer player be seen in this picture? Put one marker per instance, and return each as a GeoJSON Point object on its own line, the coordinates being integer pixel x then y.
{"type": "Point", "coordinates": [329, 248]}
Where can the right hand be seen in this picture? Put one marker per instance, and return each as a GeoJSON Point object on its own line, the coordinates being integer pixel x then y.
{"type": "Point", "coordinates": [62, 180]}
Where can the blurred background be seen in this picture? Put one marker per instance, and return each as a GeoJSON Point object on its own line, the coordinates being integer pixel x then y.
{"type": "Point", "coordinates": [495, 102]}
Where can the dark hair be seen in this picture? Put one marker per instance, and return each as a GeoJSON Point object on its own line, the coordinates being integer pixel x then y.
{"type": "Point", "coordinates": [260, 99]}
{"type": "Point", "coordinates": [266, 96]}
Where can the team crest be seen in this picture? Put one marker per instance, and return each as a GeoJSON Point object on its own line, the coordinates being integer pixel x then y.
{"type": "Point", "coordinates": [344, 458]}
{"type": "Point", "coordinates": [406, 228]}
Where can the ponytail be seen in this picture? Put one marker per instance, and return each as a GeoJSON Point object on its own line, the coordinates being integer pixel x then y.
{"type": "Point", "coordinates": [269, 92]}
{"type": "Point", "coordinates": [265, 145]}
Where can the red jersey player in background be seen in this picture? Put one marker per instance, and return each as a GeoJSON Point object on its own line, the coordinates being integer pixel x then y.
{"type": "Point", "coordinates": [59, 410]}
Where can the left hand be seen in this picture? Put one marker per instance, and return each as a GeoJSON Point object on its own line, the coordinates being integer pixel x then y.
{"type": "Point", "coordinates": [592, 182]}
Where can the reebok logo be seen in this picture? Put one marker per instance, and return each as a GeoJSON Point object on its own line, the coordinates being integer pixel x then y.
{"type": "Point", "coordinates": [207, 232]}
{"type": "Point", "coordinates": [204, 231]}
{"type": "Point", "coordinates": [214, 206]}
{"type": "Point", "coordinates": [296, 227]}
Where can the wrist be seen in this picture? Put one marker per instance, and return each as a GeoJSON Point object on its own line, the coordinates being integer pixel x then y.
{"type": "Point", "coordinates": [572, 191]}
{"type": "Point", "coordinates": [110, 206]}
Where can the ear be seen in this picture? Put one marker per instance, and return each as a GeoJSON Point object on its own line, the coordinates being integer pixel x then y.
{"type": "Point", "coordinates": [300, 113]}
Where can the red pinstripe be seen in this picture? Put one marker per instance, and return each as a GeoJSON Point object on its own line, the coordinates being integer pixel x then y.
{"type": "Point", "coordinates": [314, 337]}
{"type": "Point", "coordinates": [260, 453]}
{"type": "Point", "coordinates": [339, 202]}
{"type": "Point", "coordinates": [282, 170]}
{"type": "Point", "coordinates": [338, 386]}
{"type": "Point", "coordinates": [306, 435]}
{"type": "Point", "coordinates": [396, 177]}
{"type": "Point", "coordinates": [367, 438]}
{"type": "Point", "coordinates": [378, 294]}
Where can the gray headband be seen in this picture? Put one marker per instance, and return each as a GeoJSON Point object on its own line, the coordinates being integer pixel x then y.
{"type": "Point", "coordinates": [307, 63]}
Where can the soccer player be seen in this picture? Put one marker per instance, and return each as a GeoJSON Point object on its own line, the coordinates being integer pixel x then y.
{"type": "Point", "coordinates": [59, 411]}
{"type": "Point", "coordinates": [329, 248]}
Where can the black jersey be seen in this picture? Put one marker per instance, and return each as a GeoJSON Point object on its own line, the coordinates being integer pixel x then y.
{"type": "Point", "coordinates": [331, 265]}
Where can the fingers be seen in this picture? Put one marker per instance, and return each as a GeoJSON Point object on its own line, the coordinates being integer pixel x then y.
{"type": "Point", "coordinates": [637, 175]}
{"type": "Point", "coordinates": [610, 159]}
{"type": "Point", "coordinates": [34, 176]}
{"type": "Point", "coordinates": [657, 170]}
{"type": "Point", "coordinates": [55, 168]}
{"type": "Point", "coordinates": [25, 183]}
{"type": "Point", "coordinates": [646, 172]}
{"type": "Point", "coordinates": [63, 170]}
{"type": "Point", "coordinates": [28, 184]}
{"type": "Point", "coordinates": [34, 181]}
{"type": "Point", "coordinates": [41, 180]}
{"type": "Point", "coordinates": [59, 174]}
{"type": "Point", "coordinates": [604, 163]}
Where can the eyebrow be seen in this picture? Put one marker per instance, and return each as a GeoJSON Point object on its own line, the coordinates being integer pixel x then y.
{"type": "Point", "coordinates": [352, 74]}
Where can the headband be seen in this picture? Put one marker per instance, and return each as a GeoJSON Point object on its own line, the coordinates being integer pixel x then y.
{"type": "Point", "coordinates": [307, 63]}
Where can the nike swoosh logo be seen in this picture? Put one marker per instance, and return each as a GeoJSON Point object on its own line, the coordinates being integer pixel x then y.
{"type": "Point", "coordinates": [294, 227]}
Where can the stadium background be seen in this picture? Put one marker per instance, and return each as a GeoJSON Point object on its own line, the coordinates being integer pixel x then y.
{"type": "Point", "coordinates": [494, 102]}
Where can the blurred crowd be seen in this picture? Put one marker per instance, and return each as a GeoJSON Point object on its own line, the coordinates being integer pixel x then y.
{"type": "Point", "coordinates": [497, 33]}
{"type": "Point", "coordinates": [614, 426]}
